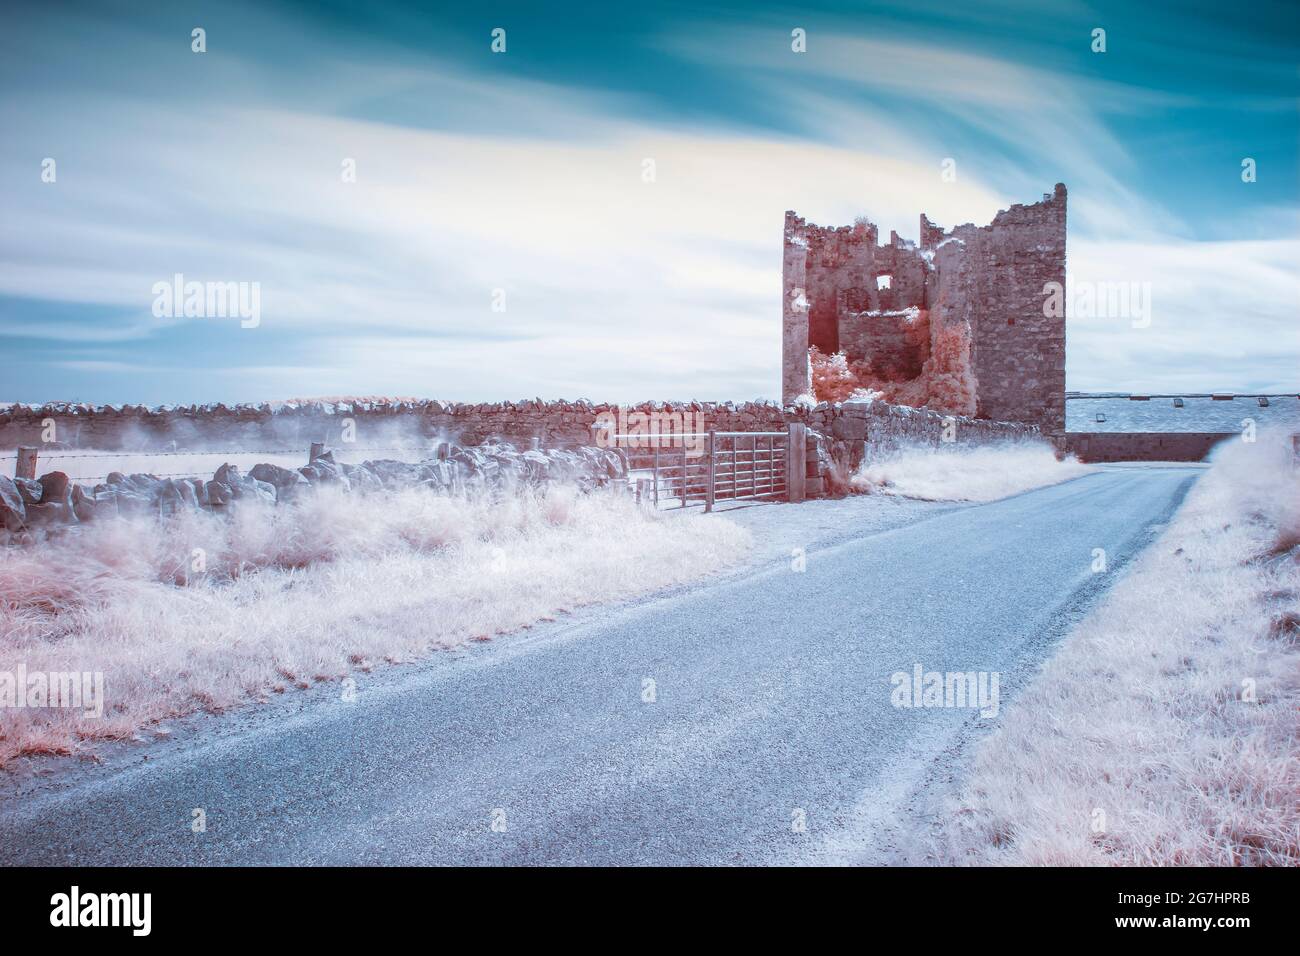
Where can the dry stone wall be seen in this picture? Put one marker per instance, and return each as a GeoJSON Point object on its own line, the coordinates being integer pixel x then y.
{"type": "Point", "coordinates": [1141, 446]}
{"type": "Point", "coordinates": [839, 435]}
{"type": "Point", "coordinates": [295, 425]}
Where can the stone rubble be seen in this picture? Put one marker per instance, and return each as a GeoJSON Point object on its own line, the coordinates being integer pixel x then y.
{"type": "Point", "coordinates": [54, 500]}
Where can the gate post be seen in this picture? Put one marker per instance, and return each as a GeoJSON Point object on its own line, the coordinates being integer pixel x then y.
{"type": "Point", "coordinates": [709, 491]}
{"type": "Point", "coordinates": [685, 467]}
{"type": "Point", "coordinates": [654, 473]}
{"type": "Point", "coordinates": [25, 463]}
{"type": "Point", "coordinates": [796, 469]}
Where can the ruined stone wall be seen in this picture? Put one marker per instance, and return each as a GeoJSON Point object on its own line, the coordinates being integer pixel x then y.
{"type": "Point", "coordinates": [795, 376]}
{"type": "Point", "coordinates": [837, 269]}
{"type": "Point", "coordinates": [991, 278]}
{"type": "Point", "coordinates": [893, 345]}
{"type": "Point", "coordinates": [991, 352]}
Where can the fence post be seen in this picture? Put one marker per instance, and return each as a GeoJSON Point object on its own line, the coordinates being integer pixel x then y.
{"type": "Point", "coordinates": [685, 465]}
{"type": "Point", "coordinates": [25, 463]}
{"type": "Point", "coordinates": [654, 472]}
{"type": "Point", "coordinates": [709, 489]}
{"type": "Point", "coordinates": [796, 469]}
{"type": "Point", "coordinates": [317, 449]}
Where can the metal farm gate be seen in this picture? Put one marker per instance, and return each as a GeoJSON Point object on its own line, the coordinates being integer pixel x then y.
{"type": "Point", "coordinates": [678, 470]}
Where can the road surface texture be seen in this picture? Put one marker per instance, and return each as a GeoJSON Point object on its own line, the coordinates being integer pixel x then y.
{"type": "Point", "coordinates": [767, 735]}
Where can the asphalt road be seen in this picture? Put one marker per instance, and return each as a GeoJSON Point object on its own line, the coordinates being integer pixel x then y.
{"type": "Point", "coordinates": [771, 708]}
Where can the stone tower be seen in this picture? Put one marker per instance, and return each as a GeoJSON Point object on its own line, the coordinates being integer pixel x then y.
{"type": "Point", "coordinates": [956, 323]}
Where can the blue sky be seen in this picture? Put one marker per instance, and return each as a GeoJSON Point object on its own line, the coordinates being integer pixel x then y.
{"type": "Point", "coordinates": [523, 172]}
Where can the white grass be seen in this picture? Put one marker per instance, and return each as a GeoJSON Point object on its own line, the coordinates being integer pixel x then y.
{"type": "Point", "coordinates": [966, 473]}
{"type": "Point", "coordinates": [1139, 743]}
{"type": "Point", "coordinates": [302, 593]}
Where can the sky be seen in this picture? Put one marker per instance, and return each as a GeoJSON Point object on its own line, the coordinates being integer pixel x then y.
{"type": "Point", "coordinates": [597, 211]}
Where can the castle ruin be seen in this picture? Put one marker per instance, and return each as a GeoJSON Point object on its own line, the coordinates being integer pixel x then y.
{"type": "Point", "coordinates": [956, 324]}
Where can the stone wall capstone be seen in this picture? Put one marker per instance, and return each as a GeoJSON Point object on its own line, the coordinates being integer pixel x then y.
{"type": "Point", "coordinates": [279, 426]}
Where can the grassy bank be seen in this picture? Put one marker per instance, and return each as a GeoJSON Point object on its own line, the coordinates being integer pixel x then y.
{"type": "Point", "coordinates": [1164, 731]}
{"type": "Point", "coordinates": [204, 611]}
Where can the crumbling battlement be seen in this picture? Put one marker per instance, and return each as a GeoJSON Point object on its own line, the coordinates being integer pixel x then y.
{"type": "Point", "coordinates": [955, 324]}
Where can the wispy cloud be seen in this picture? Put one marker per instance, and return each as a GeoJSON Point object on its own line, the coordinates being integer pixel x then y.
{"type": "Point", "coordinates": [470, 181]}
{"type": "Point", "coordinates": [1223, 317]}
